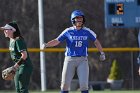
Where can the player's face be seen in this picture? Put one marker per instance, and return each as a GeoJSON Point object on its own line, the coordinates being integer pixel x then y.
{"type": "Point", "coordinates": [79, 21]}
{"type": "Point", "coordinates": [8, 33]}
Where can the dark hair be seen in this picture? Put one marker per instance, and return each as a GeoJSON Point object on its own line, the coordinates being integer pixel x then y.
{"type": "Point", "coordinates": [17, 32]}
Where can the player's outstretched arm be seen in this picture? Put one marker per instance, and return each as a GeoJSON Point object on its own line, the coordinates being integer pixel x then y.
{"type": "Point", "coordinates": [99, 47]}
{"type": "Point", "coordinates": [51, 43]}
{"type": "Point", "coordinates": [1, 29]}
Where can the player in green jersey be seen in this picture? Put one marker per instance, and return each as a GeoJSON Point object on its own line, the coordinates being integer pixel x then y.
{"type": "Point", "coordinates": [20, 57]}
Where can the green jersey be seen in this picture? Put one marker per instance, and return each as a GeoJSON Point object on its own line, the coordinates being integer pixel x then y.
{"type": "Point", "coordinates": [16, 46]}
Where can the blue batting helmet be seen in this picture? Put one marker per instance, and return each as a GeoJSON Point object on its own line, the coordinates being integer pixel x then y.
{"type": "Point", "coordinates": [77, 13]}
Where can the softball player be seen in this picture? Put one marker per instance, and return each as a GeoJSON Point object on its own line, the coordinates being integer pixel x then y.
{"type": "Point", "coordinates": [20, 56]}
{"type": "Point", "coordinates": [77, 38]}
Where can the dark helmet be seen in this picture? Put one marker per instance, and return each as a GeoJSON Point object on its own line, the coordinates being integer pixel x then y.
{"type": "Point", "coordinates": [77, 13]}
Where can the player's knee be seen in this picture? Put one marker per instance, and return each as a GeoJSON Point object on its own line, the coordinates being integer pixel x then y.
{"type": "Point", "coordinates": [83, 87]}
{"type": "Point", "coordinates": [65, 86]}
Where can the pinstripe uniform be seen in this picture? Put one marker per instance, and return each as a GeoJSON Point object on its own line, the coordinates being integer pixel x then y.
{"type": "Point", "coordinates": [76, 56]}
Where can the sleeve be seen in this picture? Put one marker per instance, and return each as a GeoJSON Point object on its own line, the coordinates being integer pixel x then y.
{"type": "Point", "coordinates": [20, 44]}
{"type": "Point", "coordinates": [62, 36]}
{"type": "Point", "coordinates": [92, 35]}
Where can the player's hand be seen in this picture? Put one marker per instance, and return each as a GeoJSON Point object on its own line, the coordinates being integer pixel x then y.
{"type": "Point", "coordinates": [102, 56]}
{"type": "Point", "coordinates": [138, 60]}
{"type": "Point", "coordinates": [43, 46]}
{"type": "Point", "coordinates": [139, 71]}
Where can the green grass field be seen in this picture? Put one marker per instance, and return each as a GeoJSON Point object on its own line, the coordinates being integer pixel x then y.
{"type": "Point", "coordinates": [106, 91]}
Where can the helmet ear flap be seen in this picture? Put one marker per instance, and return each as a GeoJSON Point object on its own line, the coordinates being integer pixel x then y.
{"type": "Point", "coordinates": [73, 21]}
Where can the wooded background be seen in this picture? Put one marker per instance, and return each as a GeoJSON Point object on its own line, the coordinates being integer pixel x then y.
{"type": "Point", "coordinates": [56, 19]}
